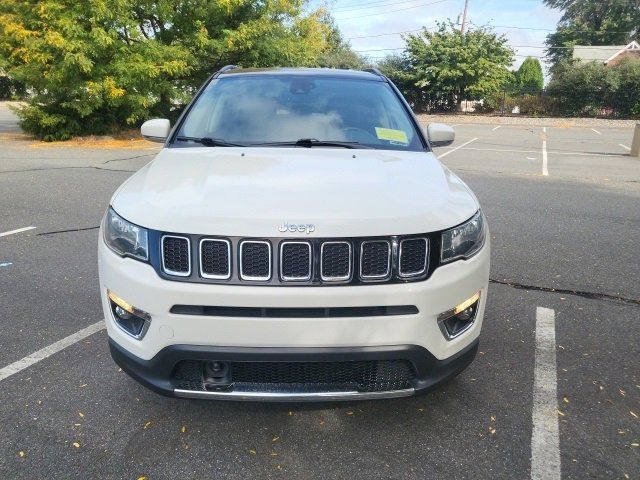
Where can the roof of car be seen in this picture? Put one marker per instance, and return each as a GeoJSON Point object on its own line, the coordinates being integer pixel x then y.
{"type": "Point", "coordinates": [315, 72]}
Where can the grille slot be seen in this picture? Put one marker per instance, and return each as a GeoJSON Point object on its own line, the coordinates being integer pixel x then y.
{"type": "Point", "coordinates": [292, 377]}
{"type": "Point", "coordinates": [375, 259]}
{"type": "Point", "coordinates": [215, 258]}
{"type": "Point", "coordinates": [413, 257]}
{"type": "Point", "coordinates": [335, 261]}
{"type": "Point", "coordinates": [255, 260]}
{"type": "Point", "coordinates": [295, 312]}
{"type": "Point", "coordinates": [176, 255]}
{"type": "Point", "coordinates": [295, 261]}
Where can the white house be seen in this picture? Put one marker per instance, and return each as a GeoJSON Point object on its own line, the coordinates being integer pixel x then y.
{"type": "Point", "coordinates": [608, 54]}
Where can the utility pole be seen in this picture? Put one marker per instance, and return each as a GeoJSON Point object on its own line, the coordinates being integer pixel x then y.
{"type": "Point", "coordinates": [464, 16]}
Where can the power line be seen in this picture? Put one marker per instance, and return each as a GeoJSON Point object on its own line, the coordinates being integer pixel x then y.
{"type": "Point", "coordinates": [515, 27]}
{"type": "Point", "coordinates": [547, 29]}
{"type": "Point", "coordinates": [392, 11]}
{"type": "Point", "coordinates": [387, 34]}
{"type": "Point", "coordinates": [371, 5]}
{"type": "Point", "coordinates": [511, 46]}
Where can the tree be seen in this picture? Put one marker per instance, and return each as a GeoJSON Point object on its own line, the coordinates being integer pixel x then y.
{"type": "Point", "coordinates": [452, 66]}
{"type": "Point", "coordinates": [97, 65]}
{"type": "Point", "coordinates": [591, 22]}
{"type": "Point", "coordinates": [399, 70]}
{"type": "Point", "coordinates": [339, 54]}
{"type": "Point", "coordinates": [583, 89]}
{"type": "Point", "coordinates": [593, 88]}
{"type": "Point", "coordinates": [529, 78]}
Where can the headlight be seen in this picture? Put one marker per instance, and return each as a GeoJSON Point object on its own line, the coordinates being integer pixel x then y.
{"type": "Point", "coordinates": [125, 238]}
{"type": "Point", "coordinates": [463, 241]}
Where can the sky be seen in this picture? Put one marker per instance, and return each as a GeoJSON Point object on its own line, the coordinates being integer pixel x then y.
{"type": "Point", "coordinates": [371, 25]}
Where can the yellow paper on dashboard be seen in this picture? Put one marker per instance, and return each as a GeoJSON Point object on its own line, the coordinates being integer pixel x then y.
{"type": "Point", "coordinates": [391, 135]}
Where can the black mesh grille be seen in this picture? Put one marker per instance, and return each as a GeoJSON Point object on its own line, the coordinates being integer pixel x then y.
{"type": "Point", "coordinates": [375, 259]}
{"type": "Point", "coordinates": [296, 261]}
{"type": "Point", "coordinates": [413, 253]}
{"type": "Point", "coordinates": [336, 261]}
{"type": "Point", "coordinates": [362, 376]}
{"type": "Point", "coordinates": [175, 254]}
{"type": "Point", "coordinates": [255, 261]}
{"type": "Point", "coordinates": [214, 258]}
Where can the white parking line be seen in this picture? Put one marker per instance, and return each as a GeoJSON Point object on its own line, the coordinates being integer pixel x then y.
{"type": "Point", "coordinates": [596, 131]}
{"type": "Point", "coordinates": [457, 148]}
{"type": "Point", "coordinates": [624, 146]}
{"type": "Point", "coordinates": [545, 438]}
{"type": "Point", "coordinates": [46, 352]}
{"type": "Point", "coordinates": [552, 152]}
{"type": "Point", "coordinates": [17, 230]}
{"type": "Point", "coordinates": [545, 169]}
{"type": "Point", "coordinates": [495, 128]}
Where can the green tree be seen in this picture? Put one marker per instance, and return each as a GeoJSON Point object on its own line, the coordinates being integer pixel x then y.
{"type": "Point", "coordinates": [339, 54]}
{"type": "Point", "coordinates": [529, 77]}
{"type": "Point", "coordinates": [452, 67]}
{"type": "Point", "coordinates": [626, 99]}
{"type": "Point", "coordinates": [399, 70]}
{"type": "Point", "coordinates": [97, 65]}
{"type": "Point", "coordinates": [583, 89]}
{"type": "Point", "coordinates": [592, 22]}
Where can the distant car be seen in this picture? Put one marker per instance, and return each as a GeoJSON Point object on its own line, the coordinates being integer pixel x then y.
{"type": "Point", "coordinates": [295, 239]}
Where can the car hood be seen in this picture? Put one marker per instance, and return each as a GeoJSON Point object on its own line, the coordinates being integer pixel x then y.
{"type": "Point", "coordinates": [254, 191]}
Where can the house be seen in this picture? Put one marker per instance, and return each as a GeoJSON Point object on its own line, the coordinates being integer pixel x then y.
{"type": "Point", "coordinates": [610, 55]}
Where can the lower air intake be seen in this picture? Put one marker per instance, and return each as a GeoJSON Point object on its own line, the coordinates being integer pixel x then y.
{"type": "Point", "coordinates": [298, 377]}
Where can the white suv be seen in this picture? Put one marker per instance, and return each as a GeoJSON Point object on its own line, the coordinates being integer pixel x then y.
{"type": "Point", "coordinates": [295, 239]}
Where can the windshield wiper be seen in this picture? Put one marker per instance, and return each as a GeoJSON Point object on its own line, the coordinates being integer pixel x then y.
{"type": "Point", "coordinates": [210, 142]}
{"type": "Point", "coordinates": [312, 142]}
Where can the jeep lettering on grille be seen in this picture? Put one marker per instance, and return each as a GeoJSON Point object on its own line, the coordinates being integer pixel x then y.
{"type": "Point", "coordinates": [301, 227]}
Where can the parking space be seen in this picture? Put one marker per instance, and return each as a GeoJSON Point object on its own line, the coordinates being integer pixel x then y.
{"type": "Point", "coordinates": [565, 242]}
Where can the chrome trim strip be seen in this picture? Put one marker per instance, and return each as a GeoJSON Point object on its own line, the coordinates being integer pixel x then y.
{"type": "Point", "coordinates": [376, 278]}
{"type": "Point", "coordinates": [450, 313]}
{"type": "Point", "coordinates": [249, 277]}
{"type": "Point", "coordinates": [172, 272]}
{"type": "Point", "coordinates": [336, 279]}
{"type": "Point", "coordinates": [291, 397]}
{"type": "Point", "coordinates": [136, 311]}
{"type": "Point", "coordinates": [426, 258]}
{"type": "Point", "coordinates": [208, 275]}
{"type": "Point", "coordinates": [296, 279]}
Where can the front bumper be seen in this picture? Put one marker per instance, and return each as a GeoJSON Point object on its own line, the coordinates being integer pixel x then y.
{"type": "Point", "coordinates": [172, 337]}
{"type": "Point", "coordinates": [156, 373]}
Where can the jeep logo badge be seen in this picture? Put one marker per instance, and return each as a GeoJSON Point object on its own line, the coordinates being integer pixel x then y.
{"type": "Point", "coordinates": [301, 227]}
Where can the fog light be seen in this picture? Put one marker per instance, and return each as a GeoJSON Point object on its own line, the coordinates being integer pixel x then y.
{"type": "Point", "coordinates": [457, 320]}
{"type": "Point", "coordinates": [130, 319]}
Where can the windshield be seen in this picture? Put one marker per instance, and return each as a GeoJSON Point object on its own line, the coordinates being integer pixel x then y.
{"type": "Point", "coordinates": [274, 109]}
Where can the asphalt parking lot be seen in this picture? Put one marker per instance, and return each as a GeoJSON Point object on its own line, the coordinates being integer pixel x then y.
{"type": "Point", "coordinates": [563, 205]}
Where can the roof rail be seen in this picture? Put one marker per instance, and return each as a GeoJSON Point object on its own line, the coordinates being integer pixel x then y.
{"type": "Point", "coordinates": [226, 68]}
{"type": "Point", "coordinates": [373, 70]}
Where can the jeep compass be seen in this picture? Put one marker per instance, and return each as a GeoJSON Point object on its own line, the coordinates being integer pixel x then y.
{"type": "Point", "coordinates": [295, 239]}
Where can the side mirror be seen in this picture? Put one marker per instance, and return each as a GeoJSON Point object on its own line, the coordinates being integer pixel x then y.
{"type": "Point", "coordinates": [156, 130]}
{"type": "Point", "coordinates": [440, 135]}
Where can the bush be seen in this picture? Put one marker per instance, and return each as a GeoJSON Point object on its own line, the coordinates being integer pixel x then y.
{"type": "Point", "coordinates": [536, 105]}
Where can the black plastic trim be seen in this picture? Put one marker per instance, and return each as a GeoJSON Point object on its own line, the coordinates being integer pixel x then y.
{"type": "Point", "coordinates": [156, 373]}
{"type": "Point", "coordinates": [288, 312]}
